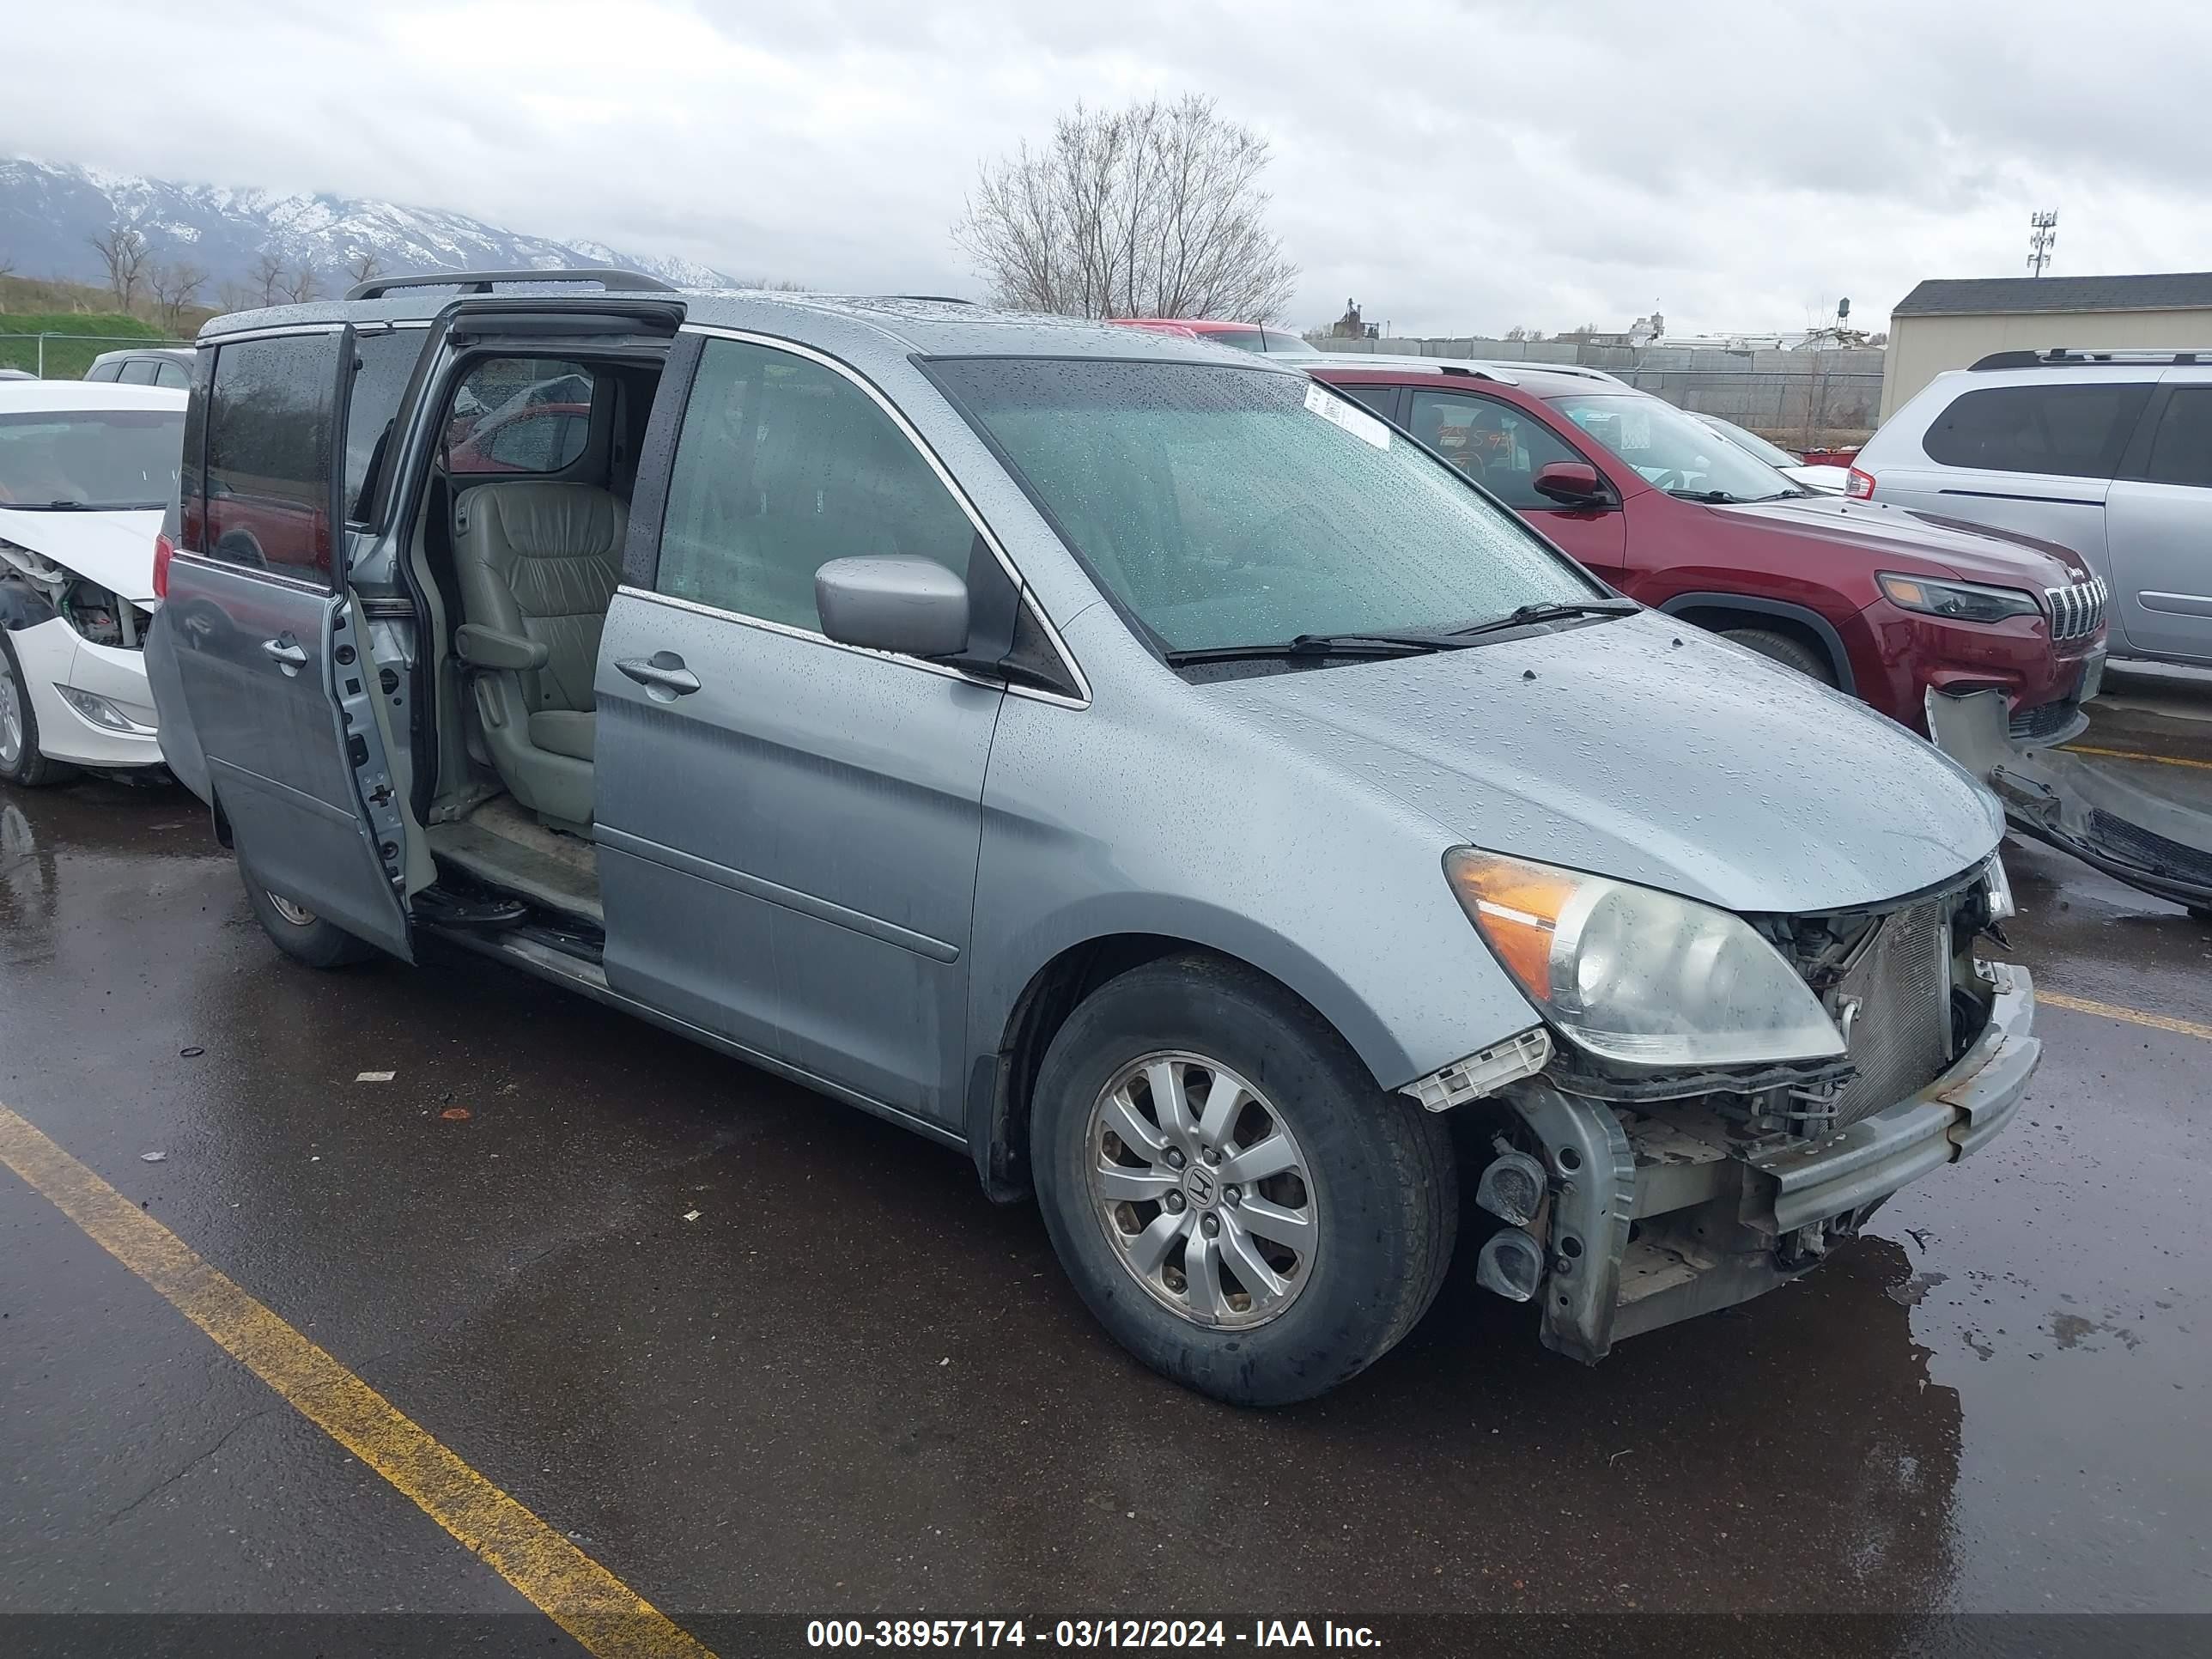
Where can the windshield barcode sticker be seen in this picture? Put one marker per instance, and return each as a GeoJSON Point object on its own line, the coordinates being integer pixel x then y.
{"type": "Point", "coordinates": [1353, 418]}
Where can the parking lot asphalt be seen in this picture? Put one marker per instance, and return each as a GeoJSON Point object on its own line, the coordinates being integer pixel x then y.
{"type": "Point", "coordinates": [754, 1351]}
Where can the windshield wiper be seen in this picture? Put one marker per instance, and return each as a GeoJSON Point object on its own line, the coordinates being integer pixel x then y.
{"type": "Point", "coordinates": [1322, 645]}
{"type": "Point", "coordinates": [1710, 497]}
{"type": "Point", "coordinates": [1550, 610]}
{"type": "Point", "coordinates": [48, 506]}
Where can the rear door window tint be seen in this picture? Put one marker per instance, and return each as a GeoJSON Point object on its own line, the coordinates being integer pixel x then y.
{"type": "Point", "coordinates": [269, 434]}
{"type": "Point", "coordinates": [2181, 450]}
{"type": "Point", "coordinates": [521, 414]}
{"type": "Point", "coordinates": [2072, 431]}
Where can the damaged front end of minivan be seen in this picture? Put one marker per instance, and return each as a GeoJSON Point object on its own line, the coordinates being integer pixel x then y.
{"type": "Point", "coordinates": [1655, 1161]}
{"type": "Point", "coordinates": [2144, 831]}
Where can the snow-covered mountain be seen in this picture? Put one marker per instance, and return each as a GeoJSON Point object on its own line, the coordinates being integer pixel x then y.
{"type": "Point", "coordinates": [49, 212]}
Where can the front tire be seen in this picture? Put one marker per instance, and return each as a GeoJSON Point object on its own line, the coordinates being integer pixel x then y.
{"type": "Point", "coordinates": [20, 761]}
{"type": "Point", "coordinates": [1233, 1197]}
{"type": "Point", "coordinates": [1789, 651]}
{"type": "Point", "coordinates": [298, 932]}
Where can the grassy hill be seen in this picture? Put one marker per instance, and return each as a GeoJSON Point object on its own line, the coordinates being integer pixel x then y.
{"type": "Point", "coordinates": [88, 315]}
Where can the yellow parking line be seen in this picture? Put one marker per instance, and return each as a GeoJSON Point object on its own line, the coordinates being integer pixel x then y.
{"type": "Point", "coordinates": [2130, 753]}
{"type": "Point", "coordinates": [2132, 1015]}
{"type": "Point", "coordinates": [601, 1611]}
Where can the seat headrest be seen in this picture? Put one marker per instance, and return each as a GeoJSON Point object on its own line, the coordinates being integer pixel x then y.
{"type": "Point", "coordinates": [544, 520]}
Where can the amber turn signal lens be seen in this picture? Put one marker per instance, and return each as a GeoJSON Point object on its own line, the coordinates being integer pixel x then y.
{"type": "Point", "coordinates": [1516, 906]}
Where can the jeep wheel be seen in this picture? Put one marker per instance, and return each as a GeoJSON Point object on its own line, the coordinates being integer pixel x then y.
{"type": "Point", "coordinates": [1789, 652]}
{"type": "Point", "coordinates": [1236, 1200]}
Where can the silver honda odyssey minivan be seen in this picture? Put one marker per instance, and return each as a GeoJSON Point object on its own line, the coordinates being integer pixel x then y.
{"type": "Point", "coordinates": [1116, 758]}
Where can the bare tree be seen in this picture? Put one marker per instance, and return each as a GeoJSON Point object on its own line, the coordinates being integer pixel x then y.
{"type": "Point", "coordinates": [124, 252]}
{"type": "Point", "coordinates": [304, 283]}
{"type": "Point", "coordinates": [364, 267]}
{"type": "Point", "coordinates": [267, 276]}
{"type": "Point", "coordinates": [234, 296]}
{"type": "Point", "coordinates": [1155, 210]}
{"type": "Point", "coordinates": [176, 289]}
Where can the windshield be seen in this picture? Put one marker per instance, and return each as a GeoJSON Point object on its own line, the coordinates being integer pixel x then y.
{"type": "Point", "coordinates": [80, 459]}
{"type": "Point", "coordinates": [1225, 506]}
{"type": "Point", "coordinates": [1773, 454]}
{"type": "Point", "coordinates": [1676, 451]}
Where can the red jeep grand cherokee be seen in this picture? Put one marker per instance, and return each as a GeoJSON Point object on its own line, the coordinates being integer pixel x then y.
{"type": "Point", "coordinates": [1888, 604]}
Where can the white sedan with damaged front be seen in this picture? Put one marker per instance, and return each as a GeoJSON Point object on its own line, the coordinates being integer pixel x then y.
{"type": "Point", "coordinates": [85, 471]}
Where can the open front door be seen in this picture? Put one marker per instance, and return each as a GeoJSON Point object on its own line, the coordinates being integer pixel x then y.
{"type": "Point", "coordinates": [277, 688]}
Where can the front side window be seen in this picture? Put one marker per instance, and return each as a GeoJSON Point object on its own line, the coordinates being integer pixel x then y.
{"type": "Point", "coordinates": [2074, 431]}
{"type": "Point", "coordinates": [1500, 446]}
{"type": "Point", "coordinates": [1672, 451]}
{"type": "Point", "coordinates": [783, 465]}
{"type": "Point", "coordinates": [171, 374]}
{"type": "Point", "coordinates": [80, 459]}
{"type": "Point", "coordinates": [1225, 506]}
{"type": "Point", "coordinates": [139, 371]}
{"type": "Point", "coordinates": [269, 433]}
{"type": "Point", "coordinates": [2181, 450]}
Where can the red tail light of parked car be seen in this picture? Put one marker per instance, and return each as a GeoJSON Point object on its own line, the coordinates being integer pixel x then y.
{"type": "Point", "coordinates": [1859, 486]}
{"type": "Point", "coordinates": [164, 550]}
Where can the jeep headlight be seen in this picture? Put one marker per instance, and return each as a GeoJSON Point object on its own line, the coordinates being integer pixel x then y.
{"type": "Point", "coordinates": [1638, 975]}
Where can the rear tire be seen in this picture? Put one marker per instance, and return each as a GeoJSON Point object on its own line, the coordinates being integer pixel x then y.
{"type": "Point", "coordinates": [298, 932]}
{"type": "Point", "coordinates": [21, 762]}
{"type": "Point", "coordinates": [1789, 652]}
{"type": "Point", "coordinates": [1351, 1195]}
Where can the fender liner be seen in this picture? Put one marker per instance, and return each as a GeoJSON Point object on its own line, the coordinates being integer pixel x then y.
{"type": "Point", "coordinates": [1822, 629]}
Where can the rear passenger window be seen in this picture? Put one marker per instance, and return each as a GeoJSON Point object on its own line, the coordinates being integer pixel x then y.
{"type": "Point", "coordinates": [521, 414]}
{"type": "Point", "coordinates": [171, 374]}
{"type": "Point", "coordinates": [782, 466]}
{"type": "Point", "coordinates": [103, 371]}
{"type": "Point", "coordinates": [269, 459]}
{"type": "Point", "coordinates": [138, 371]}
{"type": "Point", "coordinates": [2074, 431]}
{"type": "Point", "coordinates": [2181, 450]}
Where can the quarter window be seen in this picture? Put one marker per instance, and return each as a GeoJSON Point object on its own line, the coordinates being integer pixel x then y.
{"type": "Point", "coordinates": [2181, 452]}
{"type": "Point", "coordinates": [1500, 447]}
{"type": "Point", "coordinates": [2071, 431]}
{"type": "Point", "coordinates": [521, 414]}
{"type": "Point", "coordinates": [783, 465]}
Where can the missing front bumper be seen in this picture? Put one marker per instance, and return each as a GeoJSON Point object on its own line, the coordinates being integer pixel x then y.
{"type": "Point", "coordinates": [1653, 1220]}
{"type": "Point", "coordinates": [2131, 828]}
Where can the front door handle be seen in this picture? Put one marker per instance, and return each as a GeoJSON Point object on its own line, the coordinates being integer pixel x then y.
{"type": "Point", "coordinates": [663, 675]}
{"type": "Point", "coordinates": [285, 652]}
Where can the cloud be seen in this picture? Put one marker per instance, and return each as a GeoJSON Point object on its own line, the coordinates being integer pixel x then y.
{"type": "Point", "coordinates": [1453, 167]}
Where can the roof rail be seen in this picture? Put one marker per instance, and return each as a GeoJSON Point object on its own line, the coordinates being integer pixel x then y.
{"type": "Point", "coordinates": [940, 298]}
{"type": "Point", "coordinates": [2060, 357]}
{"type": "Point", "coordinates": [610, 278]}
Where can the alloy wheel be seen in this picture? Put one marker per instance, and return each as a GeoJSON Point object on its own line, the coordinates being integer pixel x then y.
{"type": "Point", "coordinates": [1202, 1190]}
{"type": "Point", "coordinates": [298, 914]}
{"type": "Point", "coordinates": [11, 716]}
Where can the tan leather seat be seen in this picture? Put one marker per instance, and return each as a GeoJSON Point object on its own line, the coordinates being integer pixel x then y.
{"type": "Point", "coordinates": [538, 564]}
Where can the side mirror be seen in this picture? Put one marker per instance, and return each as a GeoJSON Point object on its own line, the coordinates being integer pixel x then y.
{"type": "Point", "coordinates": [912, 606]}
{"type": "Point", "coordinates": [1571, 483]}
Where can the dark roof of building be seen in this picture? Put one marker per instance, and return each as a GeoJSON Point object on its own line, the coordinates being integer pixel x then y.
{"type": "Point", "coordinates": [2172, 290]}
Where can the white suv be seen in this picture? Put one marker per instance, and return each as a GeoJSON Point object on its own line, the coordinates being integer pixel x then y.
{"type": "Point", "coordinates": [2109, 452]}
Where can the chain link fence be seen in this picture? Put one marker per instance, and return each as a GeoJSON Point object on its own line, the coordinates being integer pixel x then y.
{"type": "Point", "coordinates": [56, 356]}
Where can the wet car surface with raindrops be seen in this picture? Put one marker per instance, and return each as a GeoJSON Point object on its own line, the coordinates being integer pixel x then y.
{"type": "Point", "coordinates": [757, 1352]}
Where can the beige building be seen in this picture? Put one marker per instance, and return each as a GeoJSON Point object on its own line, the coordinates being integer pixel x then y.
{"type": "Point", "coordinates": [1949, 324]}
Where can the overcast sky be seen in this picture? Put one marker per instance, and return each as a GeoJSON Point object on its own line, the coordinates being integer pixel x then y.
{"type": "Point", "coordinates": [1456, 167]}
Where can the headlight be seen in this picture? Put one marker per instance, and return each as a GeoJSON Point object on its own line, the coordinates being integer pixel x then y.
{"type": "Point", "coordinates": [1996, 889]}
{"type": "Point", "coordinates": [1958, 601]}
{"type": "Point", "coordinates": [1632, 973]}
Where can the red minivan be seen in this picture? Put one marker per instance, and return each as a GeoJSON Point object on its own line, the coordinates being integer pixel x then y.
{"type": "Point", "coordinates": [1889, 604]}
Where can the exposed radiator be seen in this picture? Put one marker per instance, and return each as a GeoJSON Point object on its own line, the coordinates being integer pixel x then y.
{"type": "Point", "coordinates": [1900, 1038]}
